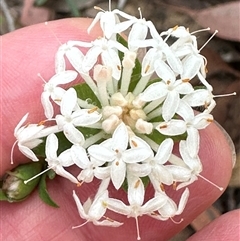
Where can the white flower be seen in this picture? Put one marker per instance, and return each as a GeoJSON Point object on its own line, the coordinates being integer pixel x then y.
{"type": "Point", "coordinates": [168, 90]}
{"type": "Point", "coordinates": [27, 138]}
{"type": "Point", "coordinates": [157, 55]}
{"type": "Point", "coordinates": [51, 89]}
{"type": "Point", "coordinates": [57, 163]}
{"type": "Point", "coordinates": [73, 54]}
{"type": "Point", "coordinates": [108, 21]}
{"type": "Point", "coordinates": [201, 97]}
{"type": "Point", "coordinates": [159, 173]}
{"type": "Point", "coordinates": [115, 150]}
{"type": "Point", "coordinates": [72, 116]}
{"type": "Point", "coordinates": [94, 210]}
{"type": "Point", "coordinates": [108, 50]}
{"type": "Point", "coordinates": [169, 209]}
{"type": "Point", "coordinates": [91, 168]}
{"type": "Point", "coordinates": [136, 207]}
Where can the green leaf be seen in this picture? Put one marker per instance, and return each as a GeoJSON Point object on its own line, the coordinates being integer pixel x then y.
{"type": "Point", "coordinates": [43, 192]}
{"type": "Point", "coordinates": [85, 93]}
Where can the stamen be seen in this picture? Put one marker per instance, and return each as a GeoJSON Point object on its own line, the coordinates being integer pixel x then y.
{"type": "Point", "coordinates": [200, 30]}
{"type": "Point", "coordinates": [109, 219]}
{"type": "Point", "coordinates": [79, 226]}
{"type": "Point", "coordinates": [46, 23]}
{"type": "Point", "coordinates": [137, 226]}
{"type": "Point", "coordinates": [174, 185]}
{"type": "Point", "coordinates": [98, 8]}
{"type": "Point", "coordinates": [185, 80]}
{"type": "Point", "coordinates": [41, 123]}
{"type": "Point", "coordinates": [162, 187]}
{"type": "Point", "coordinates": [163, 126]}
{"type": "Point", "coordinates": [137, 184]}
{"type": "Point", "coordinates": [110, 5]}
{"type": "Point", "coordinates": [79, 184]}
{"type": "Point", "coordinates": [40, 76]}
{"type": "Point", "coordinates": [225, 95]}
{"type": "Point", "coordinates": [175, 28]}
{"type": "Point", "coordinates": [39, 174]}
{"type": "Point", "coordinates": [134, 143]}
{"type": "Point", "coordinates": [176, 222]}
{"type": "Point", "coordinates": [216, 31]}
{"type": "Point", "coordinates": [140, 12]}
{"type": "Point", "coordinates": [215, 185]}
{"type": "Point", "coordinates": [92, 110]}
{"type": "Point", "coordinates": [14, 144]}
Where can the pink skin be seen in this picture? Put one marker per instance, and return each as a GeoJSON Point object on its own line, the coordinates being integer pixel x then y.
{"type": "Point", "coordinates": [29, 51]}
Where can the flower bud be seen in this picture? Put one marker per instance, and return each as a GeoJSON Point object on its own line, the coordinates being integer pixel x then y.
{"type": "Point", "coordinates": [14, 187]}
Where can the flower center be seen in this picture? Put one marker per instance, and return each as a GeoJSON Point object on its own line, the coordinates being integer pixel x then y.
{"type": "Point", "coordinates": [127, 109]}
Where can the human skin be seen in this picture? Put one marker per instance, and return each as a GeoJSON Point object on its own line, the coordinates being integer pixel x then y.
{"type": "Point", "coordinates": [29, 51]}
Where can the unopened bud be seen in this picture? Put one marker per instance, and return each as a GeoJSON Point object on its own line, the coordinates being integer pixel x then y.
{"type": "Point", "coordinates": [14, 187]}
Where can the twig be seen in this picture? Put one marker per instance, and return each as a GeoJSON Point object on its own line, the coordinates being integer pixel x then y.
{"type": "Point", "coordinates": [9, 18]}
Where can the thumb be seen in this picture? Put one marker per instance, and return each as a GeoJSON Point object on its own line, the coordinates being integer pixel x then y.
{"type": "Point", "coordinates": [27, 52]}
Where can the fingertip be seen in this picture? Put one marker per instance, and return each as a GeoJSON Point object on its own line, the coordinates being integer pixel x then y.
{"type": "Point", "coordinates": [226, 227]}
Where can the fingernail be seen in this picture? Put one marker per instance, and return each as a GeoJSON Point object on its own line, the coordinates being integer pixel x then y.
{"type": "Point", "coordinates": [230, 142]}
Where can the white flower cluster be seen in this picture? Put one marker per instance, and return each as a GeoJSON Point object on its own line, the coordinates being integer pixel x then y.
{"type": "Point", "coordinates": [138, 116]}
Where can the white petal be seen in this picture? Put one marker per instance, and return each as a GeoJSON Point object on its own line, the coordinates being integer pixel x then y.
{"type": "Point", "coordinates": [60, 65]}
{"type": "Point", "coordinates": [110, 223]}
{"type": "Point", "coordinates": [136, 190]}
{"type": "Point", "coordinates": [75, 57]}
{"type": "Point", "coordinates": [62, 172]}
{"type": "Point", "coordinates": [102, 172]}
{"type": "Point", "coordinates": [20, 123]}
{"type": "Point", "coordinates": [118, 173]}
{"type": "Point", "coordinates": [136, 155]}
{"type": "Point", "coordinates": [47, 105]}
{"type": "Point", "coordinates": [101, 153]}
{"type": "Point", "coordinates": [120, 138]}
{"type": "Point", "coordinates": [193, 163]}
{"type": "Point", "coordinates": [91, 57]}
{"type": "Point", "coordinates": [193, 141]}
{"type": "Point", "coordinates": [140, 170]}
{"type": "Point", "coordinates": [191, 66]}
{"type": "Point", "coordinates": [65, 158]}
{"type": "Point", "coordinates": [69, 101]}
{"type": "Point", "coordinates": [180, 174]}
{"type": "Point", "coordinates": [170, 105]}
{"type": "Point", "coordinates": [172, 60]}
{"type": "Point", "coordinates": [164, 71]}
{"type": "Point", "coordinates": [197, 98]}
{"type": "Point", "coordinates": [169, 209]}
{"type": "Point", "coordinates": [164, 151]}
{"type": "Point", "coordinates": [183, 88]}
{"type": "Point", "coordinates": [51, 146]}
{"type": "Point", "coordinates": [28, 152]}
{"type": "Point", "coordinates": [154, 91]}
{"type": "Point", "coordinates": [98, 209]}
{"type": "Point", "coordinates": [172, 128]}
{"type": "Point", "coordinates": [183, 201]}
{"type": "Point", "coordinates": [118, 206]}
{"type": "Point", "coordinates": [148, 61]}
{"type": "Point", "coordinates": [79, 206]}
{"type": "Point", "coordinates": [110, 58]}
{"type": "Point", "coordinates": [185, 111]}
{"type": "Point", "coordinates": [202, 120]}
{"type": "Point", "coordinates": [73, 134]}
{"type": "Point", "coordinates": [162, 175]}
{"type": "Point", "coordinates": [85, 117]}
{"type": "Point", "coordinates": [154, 204]}
{"type": "Point", "coordinates": [63, 77]}
{"type": "Point", "coordinates": [79, 156]}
